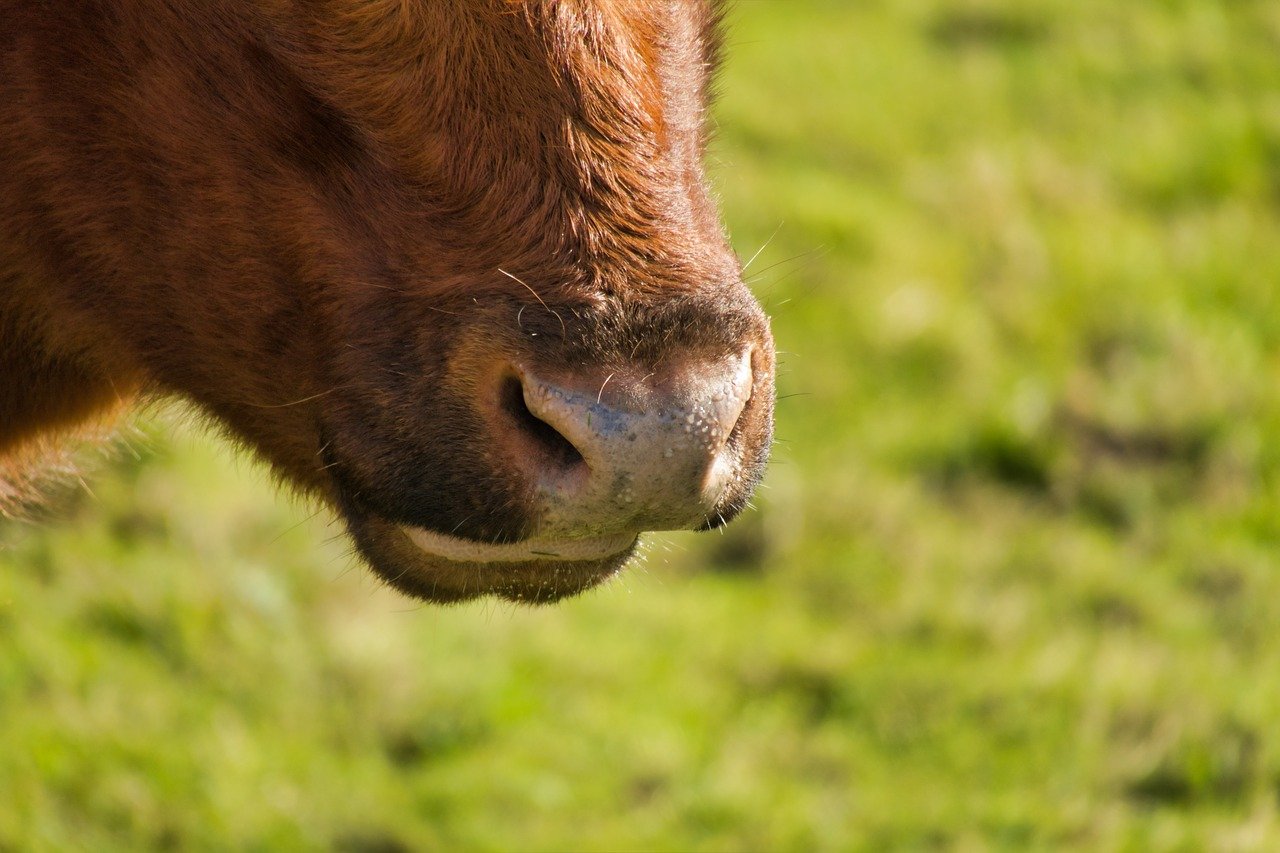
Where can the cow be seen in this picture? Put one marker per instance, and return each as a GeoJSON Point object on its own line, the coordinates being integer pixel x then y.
{"type": "Point", "coordinates": [452, 267]}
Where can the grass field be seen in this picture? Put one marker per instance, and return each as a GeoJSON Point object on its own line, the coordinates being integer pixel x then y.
{"type": "Point", "coordinates": [1014, 581]}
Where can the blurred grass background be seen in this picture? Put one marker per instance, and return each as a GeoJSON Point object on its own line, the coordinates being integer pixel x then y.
{"type": "Point", "coordinates": [1013, 581]}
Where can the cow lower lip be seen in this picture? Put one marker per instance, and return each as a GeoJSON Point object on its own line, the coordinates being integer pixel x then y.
{"type": "Point", "coordinates": [441, 568]}
{"type": "Point", "coordinates": [560, 550]}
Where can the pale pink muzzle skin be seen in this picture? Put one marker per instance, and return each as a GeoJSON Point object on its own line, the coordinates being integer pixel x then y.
{"type": "Point", "coordinates": [655, 450]}
{"type": "Point", "coordinates": [527, 550]}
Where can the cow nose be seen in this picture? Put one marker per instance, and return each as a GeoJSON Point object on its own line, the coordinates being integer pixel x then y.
{"type": "Point", "coordinates": [621, 450]}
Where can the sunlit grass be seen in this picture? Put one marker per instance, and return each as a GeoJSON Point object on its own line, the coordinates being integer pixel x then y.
{"type": "Point", "coordinates": [1012, 583]}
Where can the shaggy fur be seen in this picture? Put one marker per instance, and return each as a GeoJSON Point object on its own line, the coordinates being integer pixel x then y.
{"type": "Point", "coordinates": [323, 221]}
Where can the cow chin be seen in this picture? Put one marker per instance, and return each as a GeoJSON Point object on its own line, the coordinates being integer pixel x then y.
{"type": "Point", "coordinates": [439, 568]}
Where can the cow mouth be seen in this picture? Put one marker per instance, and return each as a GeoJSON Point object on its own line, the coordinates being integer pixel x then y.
{"type": "Point", "coordinates": [440, 568]}
{"type": "Point", "coordinates": [443, 568]}
{"type": "Point", "coordinates": [462, 550]}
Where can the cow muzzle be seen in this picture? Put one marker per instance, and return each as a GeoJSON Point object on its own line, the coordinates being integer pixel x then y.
{"type": "Point", "coordinates": [588, 457]}
{"type": "Point", "coordinates": [617, 451]}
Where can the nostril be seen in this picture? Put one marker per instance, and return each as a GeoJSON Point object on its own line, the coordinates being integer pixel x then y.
{"type": "Point", "coordinates": [733, 435]}
{"type": "Point", "coordinates": [744, 384]}
{"type": "Point", "coordinates": [558, 449]}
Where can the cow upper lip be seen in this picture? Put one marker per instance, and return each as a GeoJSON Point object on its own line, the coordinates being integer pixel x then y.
{"type": "Point", "coordinates": [563, 549]}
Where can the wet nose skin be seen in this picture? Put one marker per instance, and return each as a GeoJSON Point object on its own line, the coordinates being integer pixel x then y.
{"type": "Point", "coordinates": [654, 450]}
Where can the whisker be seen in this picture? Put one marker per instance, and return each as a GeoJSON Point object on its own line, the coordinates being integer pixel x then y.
{"type": "Point", "coordinates": [774, 305]}
{"type": "Point", "coordinates": [600, 396]}
{"type": "Point", "coordinates": [819, 251]}
{"type": "Point", "coordinates": [563, 330]}
{"type": "Point", "coordinates": [293, 527]}
{"type": "Point", "coordinates": [295, 402]}
{"type": "Point", "coordinates": [764, 246]}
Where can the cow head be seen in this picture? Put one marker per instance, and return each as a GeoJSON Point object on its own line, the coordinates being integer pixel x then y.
{"type": "Point", "coordinates": [452, 266]}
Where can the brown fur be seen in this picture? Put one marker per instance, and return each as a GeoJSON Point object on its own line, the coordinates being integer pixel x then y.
{"type": "Point", "coordinates": [310, 217]}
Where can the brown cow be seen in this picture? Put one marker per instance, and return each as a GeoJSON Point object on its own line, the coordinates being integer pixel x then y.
{"type": "Point", "coordinates": [450, 265]}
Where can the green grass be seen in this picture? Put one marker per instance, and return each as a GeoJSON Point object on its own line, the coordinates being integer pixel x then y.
{"type": "Point", "coordinates": [1013, 582]}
